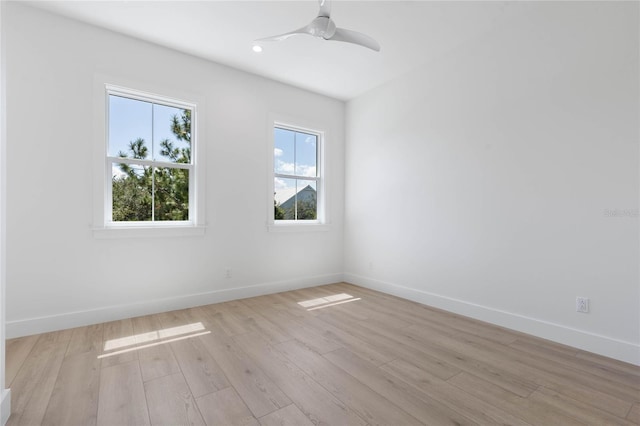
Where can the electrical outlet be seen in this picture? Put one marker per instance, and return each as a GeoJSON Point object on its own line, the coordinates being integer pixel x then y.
{"type": "Point", "coordinates": [582, 304]}
{"type": "Point", "coordinates": [227, 273]}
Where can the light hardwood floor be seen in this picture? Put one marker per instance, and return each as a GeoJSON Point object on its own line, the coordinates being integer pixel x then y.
{"type": "Point", "coordinates": [329, 355]}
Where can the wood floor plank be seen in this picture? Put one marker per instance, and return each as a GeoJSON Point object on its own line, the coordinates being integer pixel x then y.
{"type": "Point", "coordinates": [170, 402]}
{"type": "Point", "coordinates": [120, 329]}
{"type": "Point", "coordinates": [614, 364]}
{"type": "Point", "coordinates": [254, 322]}
{"type": "Point", "coordinates": [544, 372]}
{"type": "Point", "coordinates": [543, 407]}
{"type": "Point", "coordinates": [74, 400]}
{"type": "Point", "coordinates": [265, 300]}
{"type": "Point", "coordinates": [310, 293]}
{"type": "Point", "coordinates": [58, 336]}
{"type": "Point", "coordinates": [477, 409]}
{"type": "Point", "coordinates": [576, 409]}
{"type": "Point", "coordinates": [545, 367]}
{"type": "Point", "coordinates": [157, 360]}
{"type": "Point", "coordinates": [418, 404]}
{"type": "Point", "coordinates": [419, 314]}
{"type": "Point", "coordinates": [200, 370]}
{"type": "Point", "coordinates": [544, 346]}
{"type": "Point", "coordinates": [371, 312]}
{"type": "Point", "coordinates": [568, 359]}
{"type": "Point", "coordinates": [260, 394]}
{"type": "Point", "coordinates": [442, 366]}
{"type": "Point", "coordinates": [533, 411]}
{"type": "Point", "coordinates": [122, 398]}
{"type": "Point", "coordinates": [292, 326]}
{"type": "Point", "coordinates": [287, 416]}
{"type": "Point", "coordinates": [34, 383]}
{"type": "Point", "coordinates": [118, 336]}
{"type": "Point", "coordinates": [634, 414]}
{"type": "Point", "coordinates": [369, 405]}
{"type": "Point", "coordinates": [467, 357]}
{"type": "Point", "coordinates": [371, 352]}
{"type": "Point", "coordinates": [86, 339]}
{"type": "Point", "coordinates": [314, 401]}
{"type": "Point", "coordinates": [367, 310]}
{"type": "Point", "coordinates": [229, 318]}
{"type": "Point", "coordinates": [464, 360]}
{"type": "Point", "coordinates": [614, 397]}
{"type": "Point", "coordinates": [289, 301]}
{"type": "Point", "coordinates": [225, 407]}
{"type": "Point", "coordinates": [174, 320]}
{"type": "Point", "coordinates": [17, 351]}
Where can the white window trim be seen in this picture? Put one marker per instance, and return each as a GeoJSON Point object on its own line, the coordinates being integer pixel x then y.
{"type": "Point", "coordinates": [103, 227]}
{"type": "Point", "coordinates": [322, 222]}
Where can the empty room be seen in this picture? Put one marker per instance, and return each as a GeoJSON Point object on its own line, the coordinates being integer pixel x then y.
{"type": "Point", "coordinates": [319, 212]}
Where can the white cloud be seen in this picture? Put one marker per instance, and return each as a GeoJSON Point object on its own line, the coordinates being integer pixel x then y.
{"type": "Point", "coordinates": [284, 167]}
{"type": "Point", "coordinates": [279, 183]}
{"type": "Point", "coordinates": [289, 169]}
{"type": "Point", "coordinates": [305, 170]}
{"type": "Point", "coordinates": [277, 152]}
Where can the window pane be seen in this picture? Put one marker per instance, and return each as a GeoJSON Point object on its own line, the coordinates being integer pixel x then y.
{"type": "Point", "coordinates": [306, 200]}
{"type": "Point", "coordinates": [171, 200]}
{"type": "Point", "coordinates": [295, 199]}
{"type": "Point", "coordinates": [131, 193]}
{"type": "Point", "coordinates": [284, 198]}
{"type": "Point", "coordinates": [283, 152]}
{"type": "Point", "coordinates": [129, 127]}
{"type": "Point", "coordinates": [306, 154]}
{"type": "Point", "coordinates": [171, 134]}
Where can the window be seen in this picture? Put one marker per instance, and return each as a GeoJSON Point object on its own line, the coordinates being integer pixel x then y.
{"type": "Point", "coordinates": [150, 168]}
{"type": "Point", "coordinates": [297, 175]}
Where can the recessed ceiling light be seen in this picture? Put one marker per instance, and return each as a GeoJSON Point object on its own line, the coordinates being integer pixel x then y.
{"type": "Point", "coordinates": [257, 48]}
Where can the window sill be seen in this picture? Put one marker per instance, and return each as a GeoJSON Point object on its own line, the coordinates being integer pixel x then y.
{"type": "Point", "coordinates": [298, 227]}
{"type": "Point", "coordinates": [116, 232]}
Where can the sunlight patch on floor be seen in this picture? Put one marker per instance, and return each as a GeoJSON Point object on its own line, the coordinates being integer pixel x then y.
{"type": "Point", "coordinates": [334, 304]}
{"type": "Point", "coordinates": [326, 301]}
{"type": "Point", "coordinates": [151, 336]}
{"type": "Point", "coordinates": [137, 348]}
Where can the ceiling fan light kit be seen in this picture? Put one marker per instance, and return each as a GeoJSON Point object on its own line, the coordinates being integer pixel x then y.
{"type": "Point", "coordinates": [324, 27]}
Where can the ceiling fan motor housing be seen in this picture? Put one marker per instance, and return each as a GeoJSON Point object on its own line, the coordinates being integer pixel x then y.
{"type": "Point", "coordinates": [323, 27]}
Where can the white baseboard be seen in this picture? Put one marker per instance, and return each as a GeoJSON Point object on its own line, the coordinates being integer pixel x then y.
{"type": "Point", "coordinates": [25, 327]}
{"type": "Point", "coordinates": [591, 342]}
{"type": "Point", "coordinates": [5, 406]}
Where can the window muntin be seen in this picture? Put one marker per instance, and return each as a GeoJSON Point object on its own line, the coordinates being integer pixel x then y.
{"type": "Point", "coordinates": [296, 174]}
{"type": "Point", "coordinates": [150, 167]}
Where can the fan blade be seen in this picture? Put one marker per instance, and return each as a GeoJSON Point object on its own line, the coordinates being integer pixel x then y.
{"type": "Point", "coordinates": [325, 8]}
{"type": "Point", "coordinates": [355, 37]}
{"type": "Point", "coordinates": [303, 30]}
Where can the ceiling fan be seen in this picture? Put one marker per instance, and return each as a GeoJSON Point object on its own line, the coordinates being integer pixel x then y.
{"type": "Point", "coordinates": [324, 27]}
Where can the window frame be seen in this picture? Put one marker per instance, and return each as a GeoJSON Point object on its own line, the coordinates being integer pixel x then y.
{"type": "Point", "coordinates": [320, 223]}
{"type": "Point", "coordinates": [104, 226]}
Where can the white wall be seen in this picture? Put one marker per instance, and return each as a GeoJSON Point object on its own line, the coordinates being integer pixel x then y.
{"type": "Point", "coordinates": [481, 182]}
{"type": "Point", "coordinates": [58, 274]}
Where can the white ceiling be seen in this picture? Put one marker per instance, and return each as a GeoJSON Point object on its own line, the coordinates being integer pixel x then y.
{"type": "Point", "coordinates": [411, 33]}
